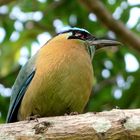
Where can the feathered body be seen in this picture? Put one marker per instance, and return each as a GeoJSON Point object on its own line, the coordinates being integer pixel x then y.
{"type": "Point", "coordinates": [62, 82]}
{"type": "Point", "coordinates": [58, 79]}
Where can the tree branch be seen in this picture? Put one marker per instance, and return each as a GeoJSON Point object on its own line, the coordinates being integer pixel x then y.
{"type": "Point", "coordinates": [126, 36]}
{"type": "Point", "coordinates": [107, 125]}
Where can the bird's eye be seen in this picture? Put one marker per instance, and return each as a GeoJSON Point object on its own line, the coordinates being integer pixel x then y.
{"type": "Point", "coordinates": [79, 35]}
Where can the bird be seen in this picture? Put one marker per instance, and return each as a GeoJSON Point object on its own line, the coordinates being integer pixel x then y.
{"type": "Point", "coordinates": [58, 79]}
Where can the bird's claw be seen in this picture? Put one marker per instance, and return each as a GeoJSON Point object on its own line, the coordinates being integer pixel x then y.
{"type": "Point", "coordinates": [71, 113]}
{"type": "Point", "coordinates": [34, 117]}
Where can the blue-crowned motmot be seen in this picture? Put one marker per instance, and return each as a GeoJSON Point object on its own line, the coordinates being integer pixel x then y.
{"type": "Point", "coordinates": [58, 79]}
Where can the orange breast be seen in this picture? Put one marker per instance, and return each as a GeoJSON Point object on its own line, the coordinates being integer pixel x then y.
{"type": "Point", "coordinates": [62, 82]}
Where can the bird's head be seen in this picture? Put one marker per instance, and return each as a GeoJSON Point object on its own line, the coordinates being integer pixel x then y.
{"type": "Point", "coordinates": [91, 43]}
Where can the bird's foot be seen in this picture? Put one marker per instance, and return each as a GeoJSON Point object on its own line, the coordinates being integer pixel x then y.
{"type": "Point", "coordinates": [74, 113]}
{"type": "Point", "coordinates": [71, 113]}
{"type": "Point", "coordinates": [34, 117]}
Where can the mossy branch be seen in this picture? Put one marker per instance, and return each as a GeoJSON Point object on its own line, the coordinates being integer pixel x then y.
{"type": "Point", "coordinates": [107, 125]}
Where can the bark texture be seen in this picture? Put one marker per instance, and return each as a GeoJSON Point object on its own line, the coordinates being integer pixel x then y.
{"type": "Point", "coordinates": [107, 125]}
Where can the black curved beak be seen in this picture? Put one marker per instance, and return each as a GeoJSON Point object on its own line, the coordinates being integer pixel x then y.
{"type": "Point", "coordinates": [100, 43]}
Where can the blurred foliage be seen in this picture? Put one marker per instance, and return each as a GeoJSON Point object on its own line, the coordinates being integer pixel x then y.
{"type": "Point", "coordinates": [23, 21]}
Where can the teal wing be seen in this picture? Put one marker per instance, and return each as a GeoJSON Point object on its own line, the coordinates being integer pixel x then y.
{"type": "Point", "coordinates": [20, 86]}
